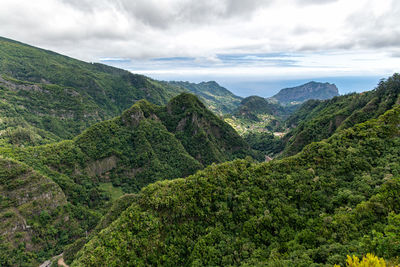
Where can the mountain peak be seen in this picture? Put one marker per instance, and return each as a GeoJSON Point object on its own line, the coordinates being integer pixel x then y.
{"type": "Point", "coordinates": [185, 101]}
{"type": "Point", "coordinates": [140, 110]}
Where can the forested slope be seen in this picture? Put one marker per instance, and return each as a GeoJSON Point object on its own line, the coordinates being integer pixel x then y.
{"type": "Point", "coordinates": [147, 143]}
{"type": "Point", "coordinates": [47, 97]}
{"type": "Point", "coordinates": [36, 221]}
{"type": "Point", "coordinates": [337, 197]}
{"type": "Point", "coordinates": [316, 120]}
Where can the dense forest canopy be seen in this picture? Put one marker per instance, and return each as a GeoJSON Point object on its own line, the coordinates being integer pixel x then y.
{"type": "Point", "coordinates": [336, 197]}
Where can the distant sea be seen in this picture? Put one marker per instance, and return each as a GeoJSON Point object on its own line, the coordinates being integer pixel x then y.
{"type": "Point", "coordinates": [243, 86]}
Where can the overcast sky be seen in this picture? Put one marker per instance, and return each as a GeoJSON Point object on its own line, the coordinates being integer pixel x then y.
{"type": "Point", "coordinates": [267, 43]}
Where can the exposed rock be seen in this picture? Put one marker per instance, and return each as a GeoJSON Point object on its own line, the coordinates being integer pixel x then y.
{"type": "Point", "coordinates": [101, 166]}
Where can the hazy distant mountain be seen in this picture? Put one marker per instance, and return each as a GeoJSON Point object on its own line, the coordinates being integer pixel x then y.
{"type": "Point", "coordinates": [311, 90]}
{"type": "Point", "coordinates": [217, 98]}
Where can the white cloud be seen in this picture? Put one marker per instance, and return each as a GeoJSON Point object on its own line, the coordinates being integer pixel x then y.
{"type": "Point", "coordinates": [145, 29]}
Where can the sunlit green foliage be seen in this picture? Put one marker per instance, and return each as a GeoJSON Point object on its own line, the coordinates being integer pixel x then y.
{"type": "Point", "coordinates": [259, 115]}
{"type": "Point", "coordinates": [367, 261]}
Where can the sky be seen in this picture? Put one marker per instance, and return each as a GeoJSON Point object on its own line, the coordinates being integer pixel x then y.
{"type": "Point", "coordinates": [249, 46]}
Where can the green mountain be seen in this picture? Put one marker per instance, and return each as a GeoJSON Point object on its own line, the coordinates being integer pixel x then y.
{"type": "Point", "coordinates": [310, 90]}
{"type": "Point", "coordinates": [147, 143]}
{"type": "Point", "coordinates": [215, 97]}
{"type": "Point", "coordinates": [252, 106]}
{"type": "Point", "coordinates": [46, 97]}
{"type": "Point", "coordinates": [338, 196]}
{"type": "Point", "coordinates": [316, 120]}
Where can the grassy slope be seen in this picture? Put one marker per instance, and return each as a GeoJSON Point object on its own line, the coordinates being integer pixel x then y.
{"type": "Point", "coordinates": [336, 197]}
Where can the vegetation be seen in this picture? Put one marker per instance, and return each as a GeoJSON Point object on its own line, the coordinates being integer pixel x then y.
{"type": "Point", "coordinates": [46, 97]}
{"type": "Point", "coordinates": [259, 115]}
{"type": "Point", "coordinates": [337, 197]}
{"type": "Point", "coordinates": [118, 206]}
{"type": "Point", "coordinates": [265, 143]}
{"type": "Point", "coordinates": [108, 197]}
{"type": "Point", "coordinates": [369, 260]}
{"type": "Point", "coordinates": [147, 143]}
{"type": "Point", "coordinates": [36, 221]}
{"type": "Point", "coordinates": [317, 120]}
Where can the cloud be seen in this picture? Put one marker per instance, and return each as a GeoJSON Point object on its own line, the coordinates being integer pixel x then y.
{"type": "Point", "coordinates": [163, 14]}
{"type": "Point", "coordinates": [215, 34]}
{"type": "Point", "coordinates": [315, 2]}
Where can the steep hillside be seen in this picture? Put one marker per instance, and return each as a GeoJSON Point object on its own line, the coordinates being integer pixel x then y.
{"type": "Point", "coordinates": [217, 98]}
{"type": "Point", "coordinates": [253, 105]}
{"type": "Point", "coordinates": [46, 96]}
{"type": "Point", "coordinates": [311, 90]}
{"type": "Point", "coordinates": [147, 143]}
{"type": "Point", "coordinates": [317, 120]}
{"type": "Point", "coordinates": [259, 116]}
{"type": "Point", "coordinates": [35, 219]}
{"type": "Point", "coordinates": [337, 197]}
